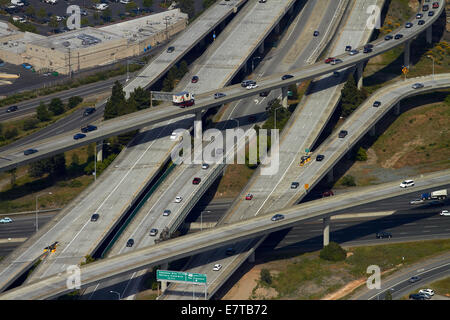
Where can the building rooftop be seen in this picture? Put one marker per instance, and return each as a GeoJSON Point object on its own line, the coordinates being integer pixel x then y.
{"type": "Point", "coordinates": [6, 30]}
{"type": "Point", "coordinates": [146, 26]}
{"type": "Point", "coordinates": [76, 39]}
{"type": "Point", "coordinates": [18, 45]}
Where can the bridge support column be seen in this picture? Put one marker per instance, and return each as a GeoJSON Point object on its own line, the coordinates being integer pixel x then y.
{"type": "Point", "coordinates": [261, 48]}
{"type": "Point", "coordinates": [284, 97]}
{"type": "Point", "coordinates": [397, 109]}
{"type": "Point", "coordinates": [429, 34]}
{"type": "Point", "coordinates": [244, 67]}
{"type": "Point", "coordinates": [326, 231]}
{"type": "Point", "coordinates": [291, 10]}
{"type": "Point", "coordinates": [373, 131]}
{"type": "Point", "coordinates": [251, 257]}
{"type": "Point", "coordinates": [99, 148]}
{"type": "Point", "coordinates": [330, 175]}
{"type": "Point", "coordinates": [359, 75]}
{"type": "Point", "coordinates": [164, 266]}
{"type": "Point", "coordinates": [407, 53]}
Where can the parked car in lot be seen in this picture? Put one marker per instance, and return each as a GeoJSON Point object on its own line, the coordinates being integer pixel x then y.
{"type": "Point", "coordinates": [12, 109]}
{"type": "Point", "coordinates": [429, 292]}
{"type": "Point", "coordinates": [277, 217]}
{"type": "Point", "coordinates": [95, 217]}
{"type": "Point", "coordinates": [383, 234]}
{"type": "Point", "coordinates": [88, 128]}
{"type": "Point", "coordinates": [343, 133]}
{"type": "Point", "coordinates": [417, 296]}
{"type": "Point", "coordinates": [6, 220]}
{"type": "Point", "coordinates": [29, 151]}
{"type": "Point", "coordinates": [79, 136]}
{"type": "Point", "coordinates": [407, 183]}
{"type": "Point", "coordinates": [153, 232]}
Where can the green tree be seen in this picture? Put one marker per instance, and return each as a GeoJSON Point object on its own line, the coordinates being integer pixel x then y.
{"type": "Point", "coordinates": [41, 13]}
{"type": "Point", "coordinates": [56, 106]}
{"type": "Point", "coordinates": [351, 97]}
{"type": "Point", "coordinates": [130, 6]}
{"type": "Point", "coordinates": [147, 3]}
{"type": "Point", "coordinates": [74, 101]}
{"type": "Point", "coordinates": [84, 22]}
{"type": "Point", "coordinates": [13, 173]}
{"type": "Point", "coordinates": [116, 102]}
{"type": "Point", "coordinates": [75, 159]}
{"type": "Point", "coordinates": [30, 123]}
{"type": "Point", "coordinates": [388, 296]}
{"type": "Point", "coordinates": [361, 155]}
{"type": "Point", "coordinates": [348, 181]}
{"type": "Point", "coordinates": [333, 252]}
{"type": "Point", "coordinates": [187, 6]}
{"type": "Point", "coordinates": [11, 133]}
{"type": "Point", "coordinates": [30, 11]}
{"type": "Point", "coordinates": [293, 89]}
{"type": "Point", "coordinates": [38, 169]}
{"type": "Point", "coordinates": [447, 100]}
{"type": "Point", "coordinates": [182, 69]}
{"type": "Point", "coordinates": [53, 23]}
{"type": "Point", "coordinates": [42, 112]}
{"type": "Point", "coordinates": [265, 276]}
{"type": "Point", "coordinates": [96, 15]}
{"type": "Point", "coordinates": [140, 97]}
{"type": "Point", "coordinates": [208, 3]}
{"type": "Point", "coordinates": [106, 14]}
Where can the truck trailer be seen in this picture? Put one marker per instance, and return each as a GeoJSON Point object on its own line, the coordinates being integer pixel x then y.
{"type": "Point", "coordinates": [183, 99]}
{"type": "Point", "coordinates": [439, 194]}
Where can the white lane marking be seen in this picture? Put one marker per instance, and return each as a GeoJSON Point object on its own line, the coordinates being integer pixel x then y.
{"type": "Point", "coordinates": [90, 297]}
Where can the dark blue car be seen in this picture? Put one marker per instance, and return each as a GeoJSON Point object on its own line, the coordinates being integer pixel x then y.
{"type": "Point", "coordinates": [88, 128]}
{"type": "Point", "coordinates": [79, 136]}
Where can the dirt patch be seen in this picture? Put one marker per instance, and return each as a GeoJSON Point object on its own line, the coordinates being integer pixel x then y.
{"type": "Point", "coordinates": [242, 290]}
{"type": "Point", "coordinates": [345, 290]}
{"type": "Point", "coordinates": [392, 161]}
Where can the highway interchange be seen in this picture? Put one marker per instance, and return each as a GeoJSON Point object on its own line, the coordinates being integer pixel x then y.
{"type": "Point", "coordinates": [390, 96]}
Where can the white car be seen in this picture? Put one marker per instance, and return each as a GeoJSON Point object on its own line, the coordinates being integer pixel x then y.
{"type": "Point", "coordinates": [417, 85]}
{"type": "Point", "coordinates": [178, 199]}
{"type": "Point", "coordinates": [445, 213]}
{"type": "Point", "coordinates": [173, 136]}
{"type": "Point", "coordinates": [217, 267]}
{"type": "Point", "coordinates": [125, 1]}
{"type": "Point", "coordinates": [59, 18]}
{"type": "Point", "coordinates": [205, 166]}
{"type": "Point", "coordinates": [101, 6]}
{"type": "Point", "coordinates": [252, 86]}
{"type": "Point", "coordinates": [407, 183]}
{"type": "Point", "coordinates": [6, 220]}
{"type": "Point", "coordinates": [427, 291]}
{"type": "Point", "coordinates": [417, 201]}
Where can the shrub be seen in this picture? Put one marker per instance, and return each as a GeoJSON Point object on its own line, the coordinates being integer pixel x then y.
{"type": "Point", "coordinates": [361, 155]}
{"type": "Point", "coordinates": [333, 252]}
{"type": "Point", "coordinates": [348, 181]}
{"type": "Point", "coordinates": [74, 101]}
{"type": "Point", "coordinates": [30, 124]}
{"type": "Point", "coordinates": [75, 184]}
{"type": "Point", "coordinates": [265, 276]}
{"type": "Point", "coordinates": [11, 133]}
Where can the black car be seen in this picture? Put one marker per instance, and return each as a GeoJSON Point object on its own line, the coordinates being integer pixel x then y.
{"type": "Point", "coordinates": [388, 37]}
{"type": "Point", "coordinates": [79, 136]}
{"type": "Point", "coordinates": [95, 217]}
{"type": "Point", "coordinates": [316, 33]}
{"type": "Point", "coordinates": [377, 104]}
{"type": "Point", "coordinates": [414, 279]}
{"type": "Point", "coordinates": [264, 93]}
{"type": "Point", "coordinates": [130, 242]}
{"type": "Point", "coordinates": [418, 296]}
{"type": "Point", "coordinates": [286, 76]}
{"type": "Point", "coordinates": [320, 157]}
{"type": "Point", "coordinates": [277, 217]}
{"type": "Point", "coordinates": [12, 109]}
{"type": "Point", "coordinates": [294, 185]}
{"type": "Point", "coordinates": [367, 50]}
{"type": "Point", "coordinates": [170, 49]}
{"type": "Point", "coordinates": [348, 48]}
{"type": "Point", "coordinates": [230, 251]}
{"type": "Point", "coordinates": [246, 83]}
{"type": "Point", "coordinates": [343, 133]}
{"type": "Point", "coordinates": [425, 7]}
{"type": "Point", "coordinates": [29, 151]}
{"type": "Point", "coordinates": [88, 128]}
{"type": "Point", "coordinates": [368, 46]}
{"type": "Point", "coordinates": [408, 25]}
{"type": "Point", "coordinates": [88, 111]}
{"type": "Point", "coordinates": [398, 36]}
{"type": "Point", "coordinates": [384, 234]}
{"type": "Point", "coordinates": [421, 22]}
{"type": "Point", "coordinates": [431, 13]}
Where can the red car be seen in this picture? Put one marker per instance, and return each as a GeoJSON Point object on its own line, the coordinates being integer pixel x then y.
{"type": "Point", "coordinates": [196, 181]}
{"type": "Point", "coordinates": [194, 79]}
{"type": "Point", "coordinates": [435, 5]}
{"type": "Point", "coordinates": [328, 60]}
{"type": "Point", "coordinates": [249, 196]}
{"type": "Point", "coordinates": [327, 194]}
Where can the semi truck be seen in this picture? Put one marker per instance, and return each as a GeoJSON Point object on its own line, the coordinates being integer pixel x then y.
{"type": "Point", "coordinates": [183, 99]}
{"type": "Point", "coordinates": [439, 194]}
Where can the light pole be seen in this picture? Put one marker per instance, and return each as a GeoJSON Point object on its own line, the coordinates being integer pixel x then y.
{"type": "Point", "coordinates": [275, 124]}
{"type": "Point", "coordinates": [253, 59]}
{"type": "Point", "coordinates": [95, 160]}
{"type": "Point", "coordinates": [128, 77]}
{"type": "Point", "coordinates": [118, 294]}
{"type": "Point", "coordinates": [431, 57]}
{"type": "Point", "coordinates": [37, 222]}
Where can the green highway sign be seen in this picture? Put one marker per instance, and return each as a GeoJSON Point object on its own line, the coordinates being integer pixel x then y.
{"type": "Point", "coordinates": [175, 276]}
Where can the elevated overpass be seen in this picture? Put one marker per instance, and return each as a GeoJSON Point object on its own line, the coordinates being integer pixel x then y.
{"type": "Point", "coordinates": [189, 245]}
{"type": "Point", "coordinates": [61, 143]}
